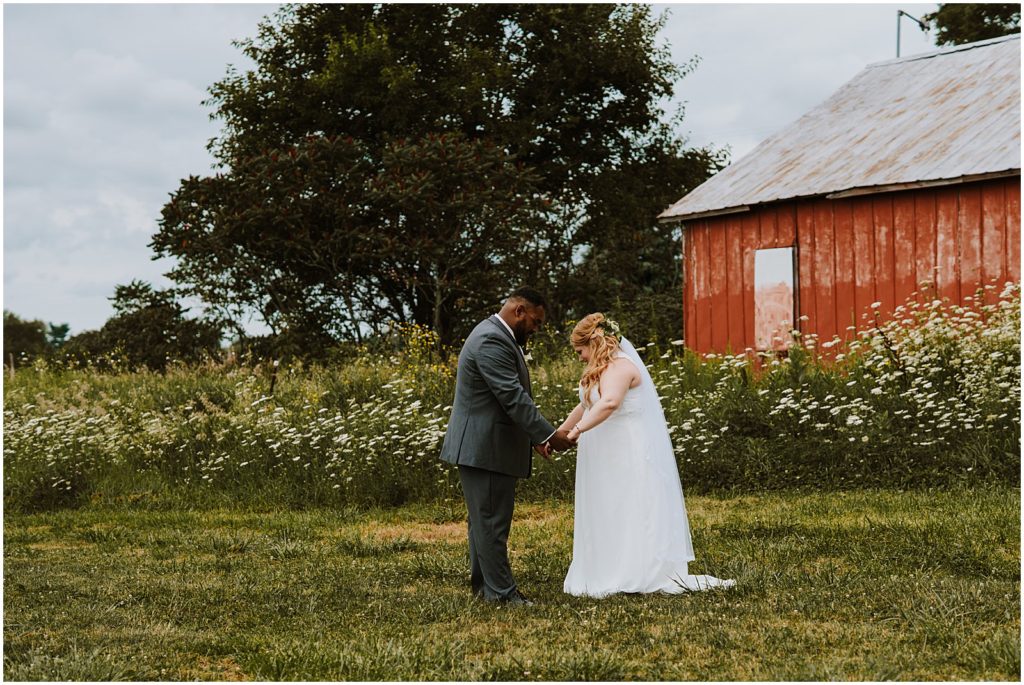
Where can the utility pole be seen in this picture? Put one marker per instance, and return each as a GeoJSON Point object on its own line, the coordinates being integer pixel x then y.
{"type": "Point", "coordinates": [901, 13]}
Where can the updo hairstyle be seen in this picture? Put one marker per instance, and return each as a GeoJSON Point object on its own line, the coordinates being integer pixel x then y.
{"type": "Point", "coordinates": [594, 332]}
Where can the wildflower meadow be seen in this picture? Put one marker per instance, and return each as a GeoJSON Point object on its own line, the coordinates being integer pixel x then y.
{"type": "Point", "coordinates": [931, 397]}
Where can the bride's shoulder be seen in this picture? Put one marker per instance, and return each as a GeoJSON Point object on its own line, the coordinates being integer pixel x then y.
{"type": "Point", "coordinates": [624, 365]}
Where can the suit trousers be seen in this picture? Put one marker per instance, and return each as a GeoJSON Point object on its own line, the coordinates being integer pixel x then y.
{"type": "Point", "coordinates": [490, 499]}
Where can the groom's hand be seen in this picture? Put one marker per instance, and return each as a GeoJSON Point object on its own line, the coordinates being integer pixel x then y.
{"type": "Point", "coordinates": [560, 441]}
{"type": "Point", "coordinates": [543, 450]}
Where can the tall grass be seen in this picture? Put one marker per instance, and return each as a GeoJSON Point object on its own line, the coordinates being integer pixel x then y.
{"type": "Point", "coordinates": [930, 398]}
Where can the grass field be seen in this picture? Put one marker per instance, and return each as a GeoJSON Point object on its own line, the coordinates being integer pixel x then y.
{"type": "Point", "coordinates": [862, 585]}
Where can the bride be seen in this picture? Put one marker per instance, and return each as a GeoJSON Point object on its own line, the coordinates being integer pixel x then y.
{"type": "Point", "coordinates": [631, 532]}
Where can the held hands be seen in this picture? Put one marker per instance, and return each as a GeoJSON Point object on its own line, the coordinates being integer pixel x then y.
{"type": "Point", "coordinates": [559, 442]}
{"type": "Point", "coordinates": [562, 440]}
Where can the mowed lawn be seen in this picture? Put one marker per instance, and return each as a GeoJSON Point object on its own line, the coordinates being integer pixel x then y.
{"type": "Point", "coordinates": [870, 585]}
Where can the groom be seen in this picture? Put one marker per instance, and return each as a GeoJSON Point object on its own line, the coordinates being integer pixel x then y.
{"type": "Point", "coordinates": [493, 424]}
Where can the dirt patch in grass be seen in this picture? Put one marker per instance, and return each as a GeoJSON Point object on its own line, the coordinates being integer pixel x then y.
{"type": "Point", "coordinates": [52, 545]}
{"type": "Point", "coordinates": [417, 532]}
{"type": "Point", "coordinates": [541, 512]}
{"type": "Point", "coordinates": [224, 668]}
{"type": "Point", "coordinates": [528, 516]}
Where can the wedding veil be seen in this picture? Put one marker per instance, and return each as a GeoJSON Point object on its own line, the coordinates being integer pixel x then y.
{"type": "Point", "coordinates": [659, 452]}
{"type": "Point", "coordinates": [652, 415]}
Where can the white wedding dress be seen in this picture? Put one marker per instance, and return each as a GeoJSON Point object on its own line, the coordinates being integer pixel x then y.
{"type": "Point", "coordinates": [631, 533]}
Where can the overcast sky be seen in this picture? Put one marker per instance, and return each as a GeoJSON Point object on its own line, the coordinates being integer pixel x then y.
{"type": "Point", "coordinates": [102, 118]}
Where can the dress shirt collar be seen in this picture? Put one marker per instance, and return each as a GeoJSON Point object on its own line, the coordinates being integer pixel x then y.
{"type": "Point", "coordinates": [507, 328]}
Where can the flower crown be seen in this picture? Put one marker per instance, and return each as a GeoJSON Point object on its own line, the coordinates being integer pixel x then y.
{"type": "Point", "coordinates": [610, 327]}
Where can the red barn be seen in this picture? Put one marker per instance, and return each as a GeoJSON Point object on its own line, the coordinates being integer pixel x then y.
{"type": "Point", "coordinates": [906, 179]}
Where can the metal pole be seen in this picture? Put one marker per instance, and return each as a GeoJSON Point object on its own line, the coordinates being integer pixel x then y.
{"type": "Point", "coordinates": [898, 13]}
{"type": "Point", "coordinates": [901, 13]}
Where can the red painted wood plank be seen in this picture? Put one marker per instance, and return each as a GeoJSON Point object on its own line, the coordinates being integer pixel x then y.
{"type": "Point", "coordinates": [750, 234]}
{"type": "Point", "coordinates": [690, 282]}
{"type": "Point", "coordinates": [702, 289]}
{"type": "Point", "coordinates": [924, 243]}
{"type": "Point", "coordinates": [786, 225]}
{"type": "Point", "coordinates": [768, 223]}
{"type": "Point", "coordinates": [947, 249]}
{"type": "Point", "coordinates": [993, 233]}
{"type": "Point", "coordinates": [1013, 230]}
{"type": "Point", "coordinates": [864, 257]}
{"type": "Point", "coordinates": [807, 305]}
{"type": "Point", "coordinates": [719, 290]}
{"type": "Point", "coordinates": [689, 301]}
{"type": "Point", "coordinates": [885, 269]}
{"type": "Point", "coordinates": [845, 276]}
{"type": "Point", "coordinates": [969, 225]}
{"type": "Point", "coordinates": [734, 271]}
{"type": "Point", "coordinates": [903, 244]}
{"type": "Point", "coordinates": [824, 270]}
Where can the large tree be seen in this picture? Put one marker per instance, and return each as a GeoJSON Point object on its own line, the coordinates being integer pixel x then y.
{"type": "Point", "coordinates": [338, 202]}
{"type": "Point", "coordinates": [958, 23]}
{"type": "Point", "coordinates": [322, 237]}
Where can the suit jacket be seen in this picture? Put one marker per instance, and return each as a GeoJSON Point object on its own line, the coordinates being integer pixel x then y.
{"type": "Point", "coordinates": [494, 422]}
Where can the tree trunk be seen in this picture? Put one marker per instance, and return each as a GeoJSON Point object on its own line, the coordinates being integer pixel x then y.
{"type": "Point", "coordinates": [442, 317]}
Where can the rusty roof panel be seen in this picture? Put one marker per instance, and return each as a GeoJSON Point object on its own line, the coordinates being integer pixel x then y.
{"type": "Point", "coordinates": [941, 115]}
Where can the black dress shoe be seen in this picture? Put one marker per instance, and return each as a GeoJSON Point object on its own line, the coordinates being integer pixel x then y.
{"type": "Point", "coordinates": [518, 599]}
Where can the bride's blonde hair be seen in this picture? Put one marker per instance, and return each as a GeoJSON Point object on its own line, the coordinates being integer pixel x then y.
{"type": "Point", "coordinates": [594, 332]}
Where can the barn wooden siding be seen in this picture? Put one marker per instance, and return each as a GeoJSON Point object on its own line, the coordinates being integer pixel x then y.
{"type": "Point", "coordinates": [851, 252]}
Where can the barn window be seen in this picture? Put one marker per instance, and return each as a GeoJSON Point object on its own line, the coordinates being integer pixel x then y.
{"type": "Point", "coordinates": [774, 311]}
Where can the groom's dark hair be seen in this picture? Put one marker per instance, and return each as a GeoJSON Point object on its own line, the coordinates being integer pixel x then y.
{"type": "Point", "coordinates": [530, 295]}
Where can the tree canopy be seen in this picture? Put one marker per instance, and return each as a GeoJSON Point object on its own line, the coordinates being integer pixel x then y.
{"type": "Point", "coordinates": [394, 163]}
{"type": "Point", "coordinates": [148, 329]}
{"type": "Point", "coordinates": [23, 340]}
{"type": "Point", "coordinates": [958, 23]}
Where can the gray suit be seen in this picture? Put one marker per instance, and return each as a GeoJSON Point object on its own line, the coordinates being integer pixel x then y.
{"type": "Point", "coordinates": [493, 426]}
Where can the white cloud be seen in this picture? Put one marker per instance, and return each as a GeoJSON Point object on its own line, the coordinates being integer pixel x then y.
{"type": "Point", "coordinates": [130, 214]}
{"type": "Point", "coordinates": [66, 217]}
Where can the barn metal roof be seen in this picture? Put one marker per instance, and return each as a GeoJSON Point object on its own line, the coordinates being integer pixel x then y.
{"type": "Point", "coordinates": [946, 116]}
